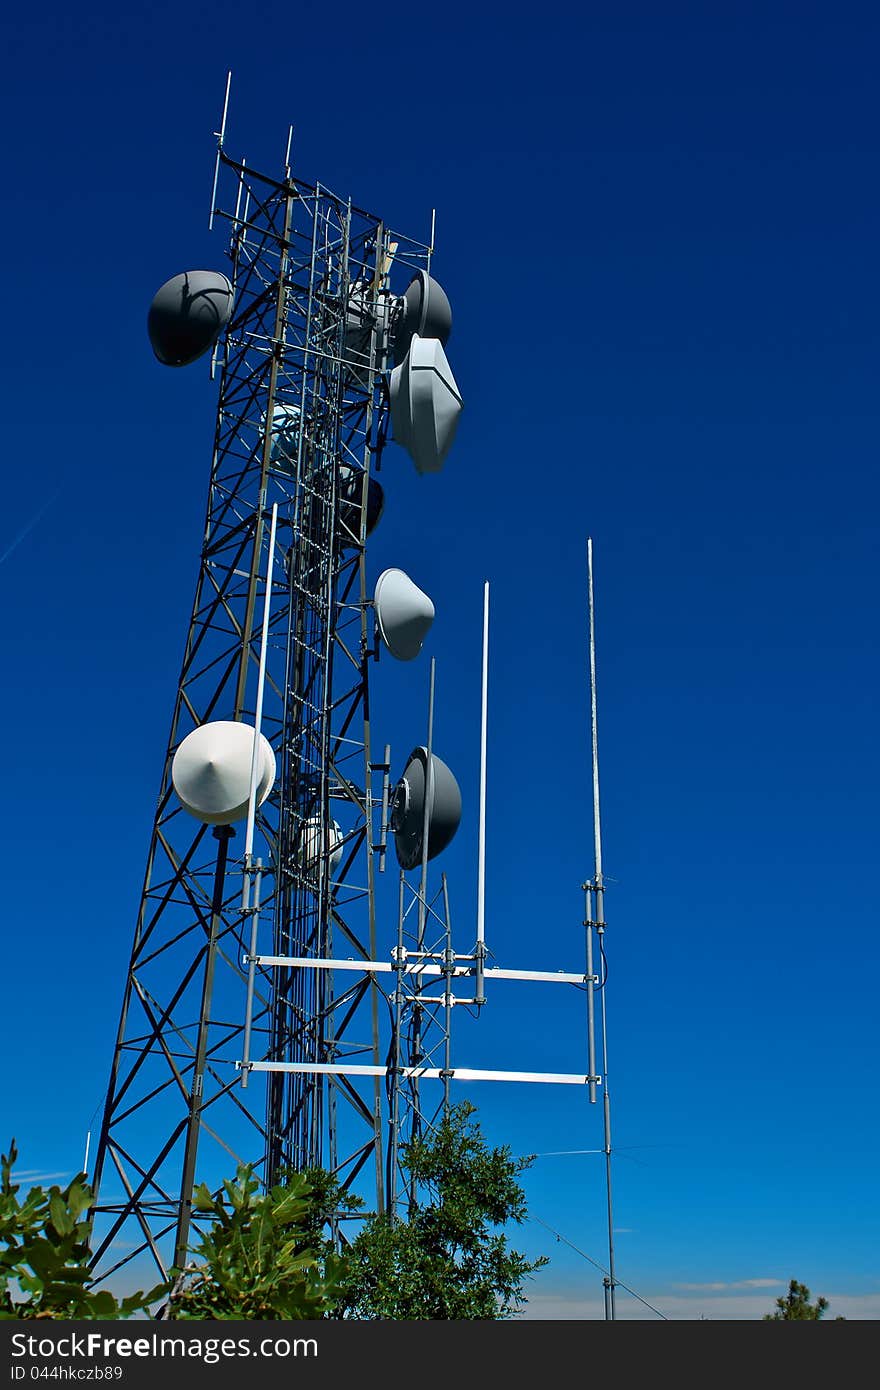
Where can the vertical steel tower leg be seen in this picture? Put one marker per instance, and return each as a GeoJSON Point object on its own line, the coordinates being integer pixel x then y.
{"type": "Point", "coordinates": [223, 834]}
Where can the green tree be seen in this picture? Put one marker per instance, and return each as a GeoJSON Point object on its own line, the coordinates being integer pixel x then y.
{"type": "Point", "coordinates": [264, 1255]}
{"type": "Point", "coordinates": [450, 1258]}
{"type": "Point", "coordinates": [796, 1306]}
{"type": "Point", "coordinates": [44, 1254]}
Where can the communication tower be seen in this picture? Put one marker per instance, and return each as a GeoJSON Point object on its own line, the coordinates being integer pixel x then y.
{"type": "Point", "coordinates": [268, 1017]}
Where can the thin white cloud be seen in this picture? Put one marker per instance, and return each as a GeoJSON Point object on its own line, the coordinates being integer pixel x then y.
{"type": "Point", "coordinates": [707, 1305]}
{"type": "Point", "coordinates": [26, 530]}
{"type": "Point", "coordinates": [33, 1175]}
{"type": "Point", "coordinates": [720, 1287]}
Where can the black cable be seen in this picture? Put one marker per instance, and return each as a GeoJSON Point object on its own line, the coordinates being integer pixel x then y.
{"type": "Point", "coordinates": [604, 960]}
{"type": "Point", "coordinates": [618, 1283]}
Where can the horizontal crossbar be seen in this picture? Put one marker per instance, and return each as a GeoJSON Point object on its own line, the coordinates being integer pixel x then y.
{"type": "Point", "coordinates": [561, 1078]}
{"type": "Point", "coordinates": [380, 967]}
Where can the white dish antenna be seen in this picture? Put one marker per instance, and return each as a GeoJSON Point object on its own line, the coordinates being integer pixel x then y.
{"type": "Point", "coordinates": [425, 404]}
{"type": "Point", "coordinates": [311, 846]}
{"type": "Point", "coordinates": [404, 614]}
{"type": "Point", "coordinates": [211, 771]}
{"type": "Point", "coordinates": [285, 434]}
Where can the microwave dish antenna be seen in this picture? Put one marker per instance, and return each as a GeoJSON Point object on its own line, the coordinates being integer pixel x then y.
{"type": "Point", "coordinates": [425, 404]}
{"type": "Point", "coordinates": [211, 771]}
{"type": "Point", "coordinates": [404, 614]}
{"type": "Point", "coordinates": [349, 502]}
{"type": "Point", "coordinates": [312, 846]}
{"type": "Point", "coordinates": [424, 309]}
{"type": "Point", "coordinates": [423, 782]}
{"type": "Point", "coordinates": [187, 316]}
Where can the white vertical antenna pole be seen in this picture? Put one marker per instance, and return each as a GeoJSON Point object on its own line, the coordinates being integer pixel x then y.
{"type": "Point", "coordinates": [254, 910]}
{"type": "Point", "coordinates": [252, 964]}
{"type": "Point", "coordinates": [238, 196]}
{"type": "Point", "coordinates": [85, 1167]}
{"type": "Point", "coordinates": [591, 991]}
{"type": "Point", "coordinates": [426, 819]}
{"type": "Point", "coordinates": [221, 133]}
{"type": "Point", "coordinates": [597, 828]}
{"type": "Point", "coordinates": [481, 851]}
{"type": "Point", "coordinates": [600, 931]}
{"type": "Point", "coordinates": [261, 682]}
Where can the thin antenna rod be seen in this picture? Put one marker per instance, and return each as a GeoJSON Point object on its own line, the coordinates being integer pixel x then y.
{"type": "Point", "coordinates": [261, 682]}
{"type": "Point", "coordinates": [597, 827]}
{"type": "Point", "coordinates": [252, 909]}
{"type": "Point", "coordinates": [220, 137]}
{"type": "Point", "coordinates": [591, 994]}
{"type": "Point", "coordinates": [426, 819]}
{"type": "Point", "coordinates": [481, 851]}
{"type": "Point", "coordinates": [599, 888]}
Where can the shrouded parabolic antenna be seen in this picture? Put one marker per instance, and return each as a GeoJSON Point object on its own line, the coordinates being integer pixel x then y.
{"type": "Point", "coordinates": [285, 434]}
{"type": "Point", "coordinates": [211, 771]}
{"type": "Point", "coordinates": [311, 848]}
{"type": "Point", "coordinates": [349, 501]}
{"type": "Point", "coordinates": [408, 809]}
{"type": "Point", "coordinates": [424, 309]}
{"type": "Point", "coordinates": [425, 404]}
{"type": "Point", "coordinates": [403, 614]}
{"type": "Point", "coordinates": [188, 314]}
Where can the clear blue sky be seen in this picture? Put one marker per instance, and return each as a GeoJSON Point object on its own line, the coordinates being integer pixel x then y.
{"type": "Point", "coordinates": [658, 228]}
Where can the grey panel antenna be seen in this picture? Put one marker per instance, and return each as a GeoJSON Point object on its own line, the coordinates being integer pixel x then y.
{"type": "Point", "coordinates": [408, 809]}
{"type": "Point", "coordinates": [187, 316]}
{"type": "Point", "coordinates": [364, 315]}
{"type": "Point", "coordinates": [404, 614]}
{"type": "Point", "coordinates": [425, 404]}
{"type": "Point", "coordinates": [424, 309]}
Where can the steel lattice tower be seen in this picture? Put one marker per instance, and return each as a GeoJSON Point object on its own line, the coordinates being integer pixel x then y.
{"type": "Point", "coordinates": [302, 418]}
{"type": "Point", "coordinates": [321, 1051]}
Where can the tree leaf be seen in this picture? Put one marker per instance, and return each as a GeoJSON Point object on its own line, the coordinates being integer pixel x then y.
{"type": "Point", "coordinates": [60, 1216]}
